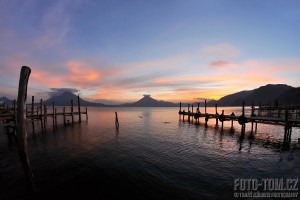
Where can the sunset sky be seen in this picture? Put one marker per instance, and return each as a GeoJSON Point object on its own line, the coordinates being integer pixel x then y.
{"type": "Point", "coordinates": [175, 50]}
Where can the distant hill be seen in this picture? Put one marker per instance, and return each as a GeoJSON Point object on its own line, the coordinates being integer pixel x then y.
{"type": "Point", "coordinates": [234, 99]}
{"type": "Point", "coordinates": [266, 95]}
{"type": "Point", "coordinates": [148, 101]}
{"type": "Point", "coordinates": [5, 101]}
{"type": "Point", "coordinates": [64, 99]}
{"type": "Point", "coordinates": [291, 96]}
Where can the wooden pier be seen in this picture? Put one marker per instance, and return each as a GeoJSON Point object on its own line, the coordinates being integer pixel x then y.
{"type": "Point", "coordinates": [39, 113]}
{"type": "Point", "coordinates": [287, 116]}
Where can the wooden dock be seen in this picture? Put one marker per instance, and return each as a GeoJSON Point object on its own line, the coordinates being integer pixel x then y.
{"type": "Point", "coordinates": [287, 116]}
{"type": "Point", "coordinates": [39, 113]}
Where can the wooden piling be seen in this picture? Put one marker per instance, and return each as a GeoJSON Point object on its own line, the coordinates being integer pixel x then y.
{"type": "Point", "coordinates": [64, 115]}
{"type": "Point", "coordinates": [86, 113]}
{"type": "Point", "coordinates": [32, 110]}
{"type": "Point", "coordinates": [21, 124]}
{"type": "Point", "coordinates": [41, 115]}
{"type": "Point", "coordinates": [205, 107]}
{"type": "Point", "coordinates": [117, 122]}
{"type": "Point", "coordinates": [232, 114]}
{"type": "Point", "coordinates": [55, 111]}
{"type": "Point", "coordinates": [53, 123]}
{"type": "Point", "coordinates": [72, 115]}
{"type": "Point", "coordinates": [180, 107]}
{"type": "Point", "coordinates": [45, 117]}
{"type": "Point", "coordinates": [217, 115]}
{"type": "Point", "coordinates": [188, 112]}
{"type": "Point", "coordinates": [222, 121]}
{"type": "Point", "coordinates": [78, 103]}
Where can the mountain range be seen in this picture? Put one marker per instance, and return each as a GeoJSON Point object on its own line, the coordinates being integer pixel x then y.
{"type": "Point", "coordinates": [265, 95]}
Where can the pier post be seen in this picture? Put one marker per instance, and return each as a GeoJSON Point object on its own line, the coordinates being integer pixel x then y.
{"type": "Point", "coordinates": [287, 128]}
{"type": "Point", "coordinates": [117, 122]}
{"type": "Point", "coordinates": [193, 113]}
{"type": "Point", "coordinates": [86, 114]}
{"type": "Point", "coordinates": [243, 113]}
{"type": "Point", "coordinates": [180, 107]}
{"type": "Point", "coordinates": [21, 124]}
{"type": "Point", "coordinates": [64, 115]}
{"type": "Point", "coordinates": [55, 116]}
{"type": "Point", "coordinates": [32, 110]}
{"type": "Point", "coordinates": [41, 114]}
{"type": "Point", "coordinates": [78, 101]}
{"type": "Point", "coordinates": [179, 110]}
{"type": "Point", "coordinates": [45, 116]}
{"type": "Point", "coordinates": [72, 111]}
{"type": "Point", "coordinates": [222, 121]}
{"type": "Point", "coordinates": [53, 123]}
{"type": "Point", "coordinates": [188, 112]}
{"type": "Point", "coordinates": [252, 115]}
{"type": "Point", "coordinates": [232, 114]}
{"type": "Point", "coordinates": [255, 127]}
{"type": "Point", "coordinates": [183, 115]}
{"type": "Point", "coordinates": [217, 114]}
{"type": "Point", "coordinates": [205, 106]}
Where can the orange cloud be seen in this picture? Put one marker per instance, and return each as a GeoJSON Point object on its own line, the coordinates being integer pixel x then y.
{"type": "Point", "coordinates": [81, 74]}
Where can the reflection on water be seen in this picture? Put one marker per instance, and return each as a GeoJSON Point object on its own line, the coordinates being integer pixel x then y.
{"type": "Point", "coordinates": [147, 159]}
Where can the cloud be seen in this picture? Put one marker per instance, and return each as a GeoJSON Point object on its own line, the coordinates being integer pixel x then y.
{"type": "Point", "coordinates": [219, 64]}
{"type": "Point", "coordinates": [58, 91]}
{"type": "Point", "coordinates": [201, 99]}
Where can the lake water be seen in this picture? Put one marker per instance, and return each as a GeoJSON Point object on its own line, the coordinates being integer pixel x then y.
{"type": "Point", "coordinates": [153, 156]}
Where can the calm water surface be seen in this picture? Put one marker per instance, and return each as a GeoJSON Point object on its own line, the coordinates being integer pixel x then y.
{"type": "Point", "coordinates": [153, 156]}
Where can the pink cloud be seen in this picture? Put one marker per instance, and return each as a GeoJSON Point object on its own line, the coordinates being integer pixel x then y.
{"type": "Point", "coordinates": [220, 64]}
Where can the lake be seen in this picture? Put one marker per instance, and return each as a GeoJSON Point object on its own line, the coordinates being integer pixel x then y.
{"type": "Point", "coordinates": [152, 156]}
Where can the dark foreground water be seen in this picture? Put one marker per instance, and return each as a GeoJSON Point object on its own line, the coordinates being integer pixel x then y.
{"type": "Point", "coordinates": [153, 156]}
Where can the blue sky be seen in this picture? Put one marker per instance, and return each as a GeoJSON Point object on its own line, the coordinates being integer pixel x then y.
{"type": "Point", "coordinates": [175, 50]}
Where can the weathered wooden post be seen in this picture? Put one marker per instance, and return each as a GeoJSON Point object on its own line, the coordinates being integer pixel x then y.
{"type": "Point", "coordinates": [188, 112]}
{"type": "Point", "coordinates": [179, 110]}
{"type": "Point", "coordinates": [117, 122]}
{"type": "Point", "coordinates": [41, 114]}
{"type": "Point", "coordinates": [64, 115]}
{"type": "Point", "coordinates": [232, 115]}
{"type": "Point", "coordinates": [45, 117]}
{"type": "Point", "coordinates": [21, 124]}
{"type": "Point", "coordinates": [53, 123]}
{"type": "Point", "coordinates": [72, 111]}
{"type": "Point", "coordinates": [205, 106]}
{"type": "Point", "coordinates": [243, 114]}
{"type": "Point", "coordinates": [286, 125]}
{"type": "Point", "coordinates": [192, 113]}
{"type": "Point", "coordinates": [86, 113]}
{"type": "Point", "coordinates": [217, 114]}
{"type": "Point", "coordinates": [223, 118]}
{"type": "Point", "coordinates": [252, 115]}
{"type": "Point", "coordinates": [55, 116]}
{"type": "Point", "coordinates": [32, 110]}
{"type": "Point", "coordinates": [78, 101]}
